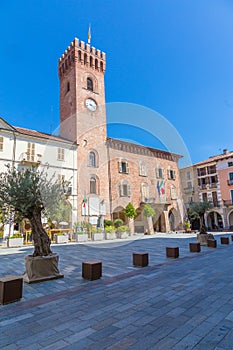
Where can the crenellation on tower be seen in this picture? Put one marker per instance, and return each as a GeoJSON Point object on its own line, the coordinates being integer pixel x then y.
{"type": "Point", "coordinates": [84, 54]}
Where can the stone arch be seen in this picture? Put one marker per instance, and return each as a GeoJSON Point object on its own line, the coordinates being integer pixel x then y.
{"type": "Point", "coordinates": [119, 213]}
{"type": "Point", "coordinates": [94, 80]}
{"type": "Point", "coordinates": [230, 220]}
{"type": "Point", "coordinates": [174, 219]}
{"type": "Point", "coordinates": [214, 220]}
{"type": "Point", "coordinates": [159, 221]}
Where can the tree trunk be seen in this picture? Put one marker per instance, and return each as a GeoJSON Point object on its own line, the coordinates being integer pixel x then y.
{"type": "Point", "coordinates": [131, 226]}
{"type": "Point", "coordinates": [40, 238]}
{"type": "Point", "coordinates": [202, 224]}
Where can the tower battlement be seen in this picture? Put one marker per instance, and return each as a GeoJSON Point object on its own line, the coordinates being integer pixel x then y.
{"type": "Point", "coordinates": [84, 54]}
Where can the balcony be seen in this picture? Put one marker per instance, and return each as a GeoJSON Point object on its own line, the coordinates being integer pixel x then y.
{"type": "Point", "coordinates": [202, 187]}
{"type": "Point", "coordinates": [230, 182]}
{"type": "Point", "coordinates": [213, 185]}
{"type": "Point", "coordinates": [216, 204]}
{"type": "Point", "coordinates": [228, 203]}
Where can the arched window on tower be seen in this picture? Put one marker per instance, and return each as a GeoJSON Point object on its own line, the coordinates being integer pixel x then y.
{"type": "Point", "coordinates": [92, 159]}
{"type": "Point", "coordinates": [67, 86]}
{"type": "Point", "coordinates": [93, 185]}
{"type": "Point", "coordinates": [89, 84]}
{"type": "Point", "coordinates": [85, 59]}
{"type": "Point", "coordinates": [79, 56]}
{"type": "Point", "coordinates": [101, 66]}
{"type": "Point", "coordinates": [96, 63]}
{"type": "Point", "coordinates": [91, 61]}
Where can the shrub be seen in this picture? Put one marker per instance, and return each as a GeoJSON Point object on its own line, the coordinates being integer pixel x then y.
{"type": "Point", "coordinates": [123, 228]}
{"type": "Point", "coordinates": [118, 223]}
{"type": "Point", "coordinates": [108, 223]}
{"type": "Point", "coordinates": [109, 229]}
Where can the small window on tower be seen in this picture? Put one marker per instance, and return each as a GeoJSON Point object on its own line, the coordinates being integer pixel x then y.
{"type": "Point", "coordinates": [89, 84]}
{"type": "Point", "coordinates": [68, 86]}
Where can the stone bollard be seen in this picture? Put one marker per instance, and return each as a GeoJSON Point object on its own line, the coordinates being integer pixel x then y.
{"type": "Point", "coordinates": [140, 259]}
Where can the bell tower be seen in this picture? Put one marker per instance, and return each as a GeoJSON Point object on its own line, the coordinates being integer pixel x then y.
{"type": "Point", "coordinates": [81, 71]}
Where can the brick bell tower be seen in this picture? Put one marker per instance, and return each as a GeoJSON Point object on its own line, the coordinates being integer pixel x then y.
{"type": "Point", "coordinates": [81, 71]}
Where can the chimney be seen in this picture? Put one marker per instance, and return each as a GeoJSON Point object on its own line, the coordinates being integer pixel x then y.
{"type": "Point", "coordinates": [225, 151]}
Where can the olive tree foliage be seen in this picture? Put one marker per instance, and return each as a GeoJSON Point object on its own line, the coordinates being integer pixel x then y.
{"type": "Point", "coordinates": [197, 210]}
{"type": "Point", "coordinates": [29, 194]}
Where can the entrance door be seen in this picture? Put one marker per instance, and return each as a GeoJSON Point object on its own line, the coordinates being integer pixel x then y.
{"type": "Point", "coordinates": [172, 221]}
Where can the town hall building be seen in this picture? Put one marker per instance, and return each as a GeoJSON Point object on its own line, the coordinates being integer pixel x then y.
{"type": "Point", "coordinates": [105, 173]}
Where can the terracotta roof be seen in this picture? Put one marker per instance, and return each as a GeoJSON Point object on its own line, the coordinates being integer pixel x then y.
{"type": "Point", "coordinates": [215, 158]}
{"type": "Point", "coordinates": [41, 135]}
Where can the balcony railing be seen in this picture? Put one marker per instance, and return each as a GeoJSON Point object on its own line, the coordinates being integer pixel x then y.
{"type": "Point", "coordinates": [230, 182]}
{"type": "Point", "coordinates": [202, 187]}
{"type": "Point", "coordinates": [213, 185]}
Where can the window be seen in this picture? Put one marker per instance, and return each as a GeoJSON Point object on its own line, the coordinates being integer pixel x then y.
{"type": "Point", "coordinates": [173, 192]}
{"type": "Point", "coordinates": [231, 176]}
{"type": "Point", "coordinates": [85, 59]}
{"type": "Point", "coordinates": [145, 192]}
{"type": "Point", "coordinates": [67, 86]}
{"type": "Point", "coordinates": [31, 152]}
{"type": "Point", "coordinates": [92, 159]}
{"type": "Point", "coordinates": [60, 154]}
{"type": "Point", "coordinates": [1, 144]}
{"type": "Point", "coordinates": [92, 185]}
{"type": "Point", "coordinates": [189, 184]}
{"type": "Point", "coordinates": [142, 169]}
{"type": "Point", "coordinates": [89, 84]}
{"type": "Point", "coordinates": [123, 167]}
{"type": "Point", "coordinates": [230, 164]}
{"type": "Point", "coordinates": [159, 173]}
{"type": "Point", "coordinates": [188, 175]}
{"type": "Point", "coordinates": [124, 188]}
{"type": "Point", "coordinates": [204, 197]}
{"type": "Point", "coordinates": [61, 179]}
{"type": "Point", "coordinates": [171, 174]}
{"type": "Point", "coordinates": [91, 61]}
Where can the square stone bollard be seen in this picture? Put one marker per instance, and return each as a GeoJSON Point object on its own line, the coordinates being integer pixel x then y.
{"type": "Point", "coordinates": [224, 240]}
{"type": "Point", "coordinates": [11, 288]}
{"type": "Point", "coordinates": [212, 243]}
{"type": "Point", "coordinates": [194, 247]}
{"type": "Point", "coordinates": [140, 259]}
{"type": "Point", "coordinates": [91, 270]}
{"type": "Point", "coordinates": [172, 252]}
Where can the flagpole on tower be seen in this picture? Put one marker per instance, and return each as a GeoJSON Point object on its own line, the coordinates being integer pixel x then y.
{"type": "Point", "coordinates": [89, 35]}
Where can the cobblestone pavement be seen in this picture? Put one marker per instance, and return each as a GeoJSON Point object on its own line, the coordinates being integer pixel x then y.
{"type": "Point", "coordinates": [184, 303]}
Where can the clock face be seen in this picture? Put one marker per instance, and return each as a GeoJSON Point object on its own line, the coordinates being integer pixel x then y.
{"type": "Point", "coordinates": [91, 104]}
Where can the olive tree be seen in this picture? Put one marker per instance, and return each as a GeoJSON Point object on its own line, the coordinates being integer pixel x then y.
{"type": "Point", "coordinates": [197, 210]}
{"type": "Point", "coordinates": [29, 194]}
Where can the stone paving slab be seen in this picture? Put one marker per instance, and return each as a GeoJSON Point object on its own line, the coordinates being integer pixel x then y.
{"type": "Point", "coordinates": [186, 303]}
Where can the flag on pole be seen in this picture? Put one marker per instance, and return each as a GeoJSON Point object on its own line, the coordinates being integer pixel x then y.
{"type": "Point", "coordinates": [84, 200]}
{"type": "Point", "coordinates": [89, 35]}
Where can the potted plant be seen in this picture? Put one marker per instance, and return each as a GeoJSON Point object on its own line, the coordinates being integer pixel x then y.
{"type": "Point", "coordinates": [187, 226]}
{"type": "Point", "coordinates": [16, 240]}
{"type": "Point", "coordinates": [197, 210]}
{"type": "Point", "coordinates": [123, 231]}
{"type": "Point", "coordinates": [110, 232]}
{"type": "Point", "coordinates": [97, 234]}
{"type": "Point", "coordinates": [130, 213]}
{"type": "Point", "coordinates": [149, 212]}
{"type": "Point", "coordinates": [30, 194]}
{"type": "Point", "coordinates": [81, 236]}
{"type": "Point", "coordinates": [61, 238]}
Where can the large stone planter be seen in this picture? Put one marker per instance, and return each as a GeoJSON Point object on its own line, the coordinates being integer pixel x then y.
{"type": "Point", "coordinates": [15, 242]}
{"type": "Point", "coordinates": [123, 235]}
{"type": "Point", "coordinates": [110, 235]}
{"type": "Point", "coordinates": [61, 239]}
{"type": "Point", "coordinates": [203, 237]}
{"type": "Point", "coordinates": [41, 268]}
{"type": "Point", "coordinates": [81, 237]}
{"type": "Point", "coordinates": [99, 236]}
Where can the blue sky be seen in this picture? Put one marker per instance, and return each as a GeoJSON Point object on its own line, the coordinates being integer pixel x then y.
{"type": "Point", "coordinates": [172, 56]}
